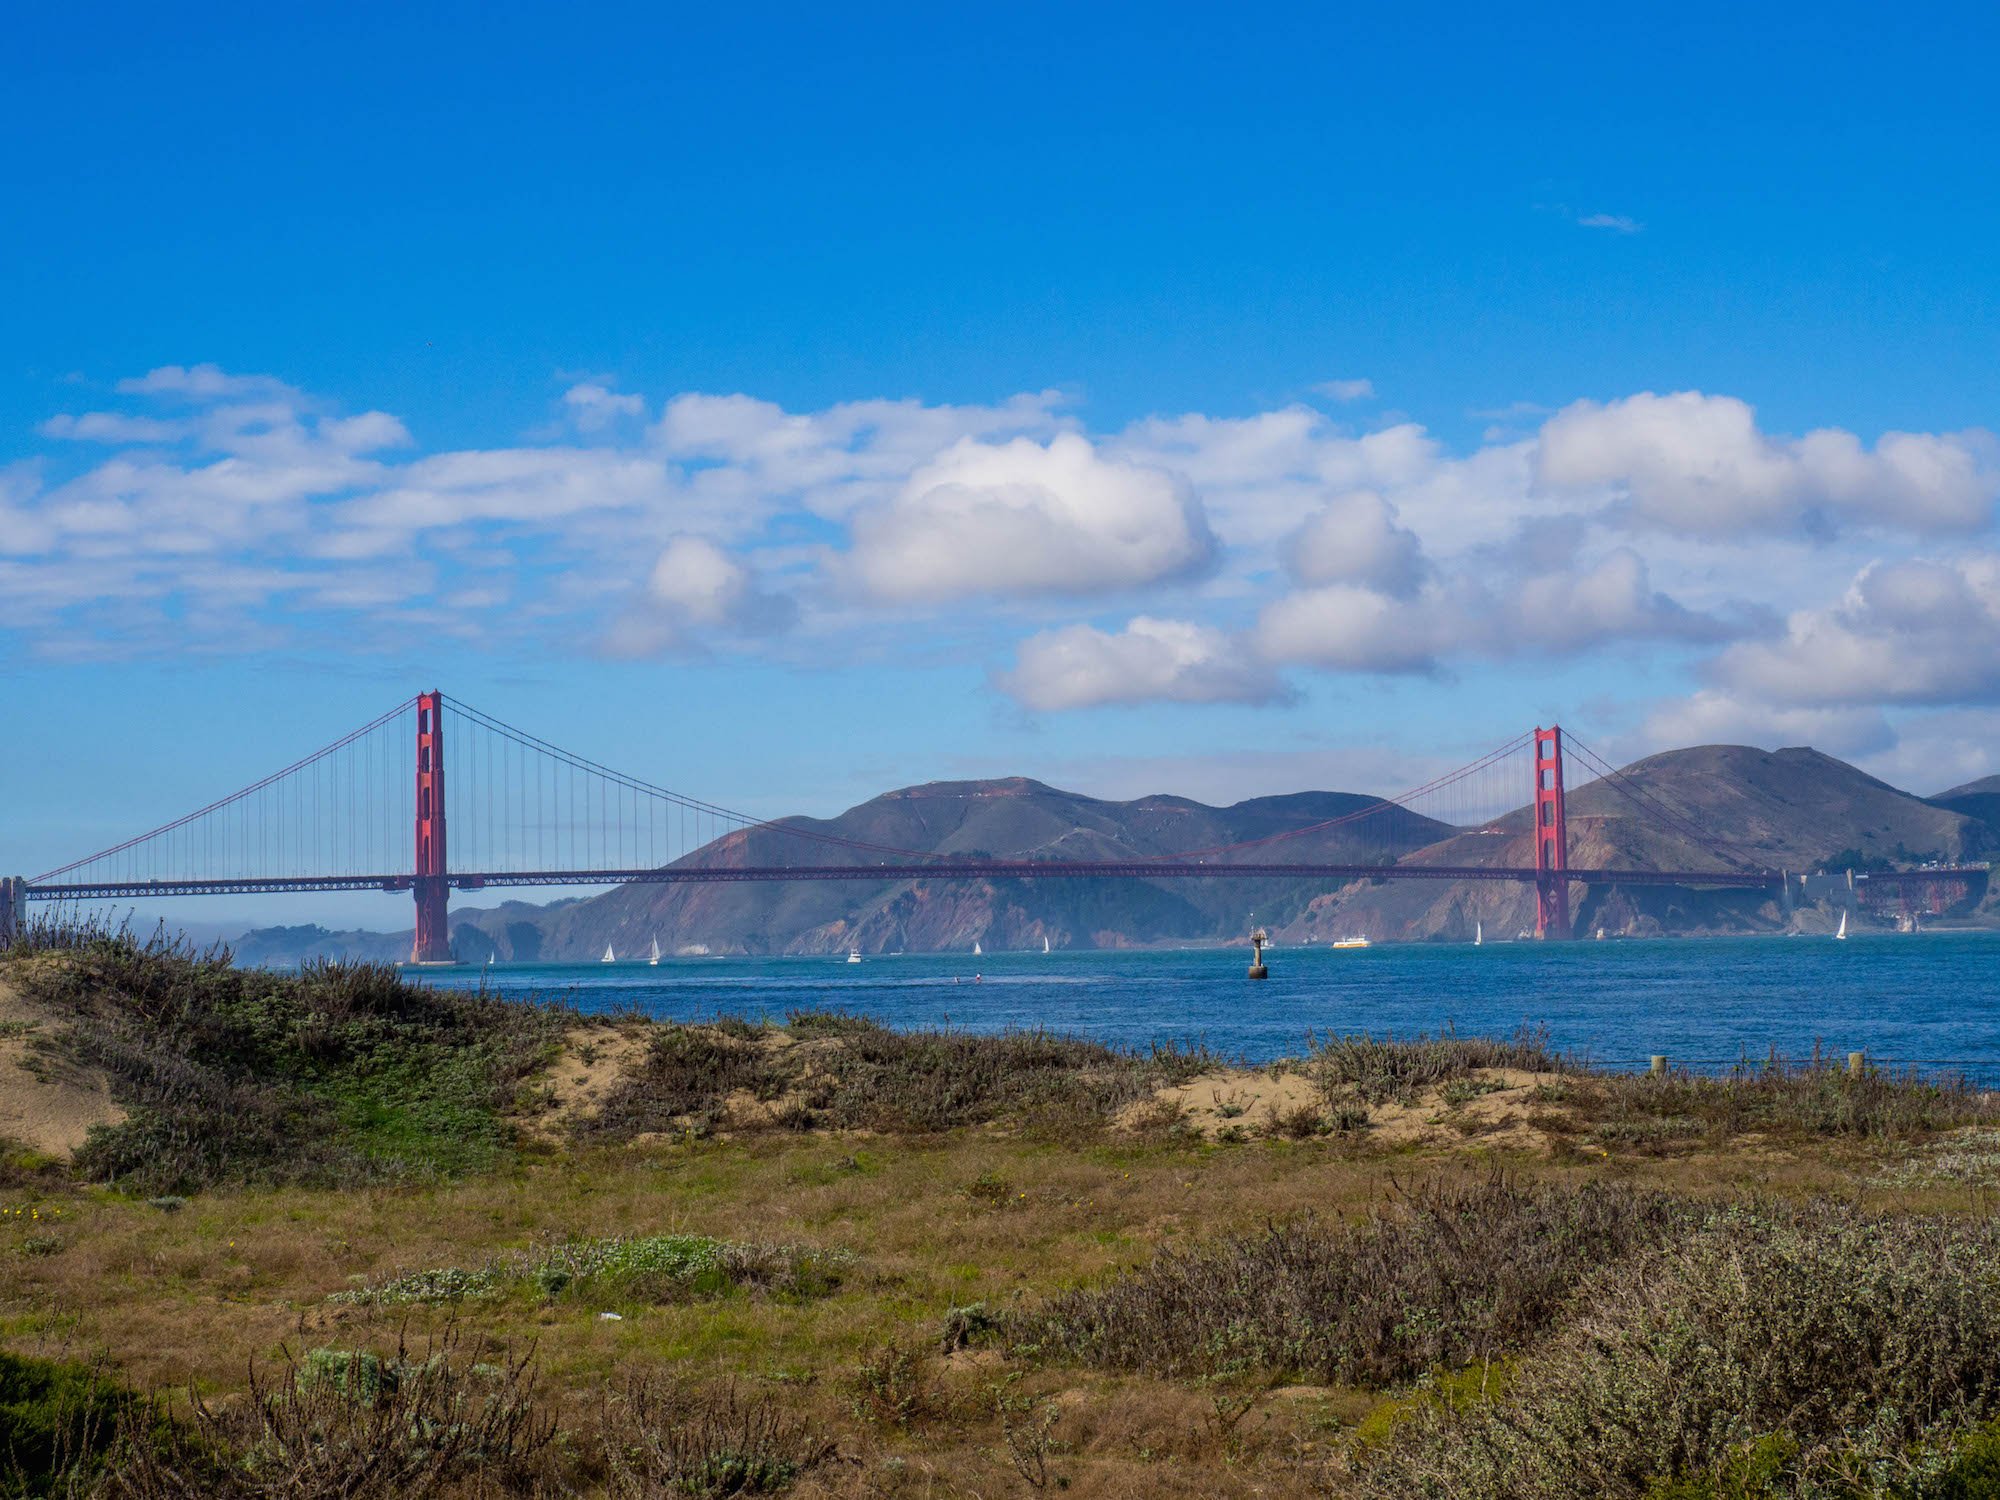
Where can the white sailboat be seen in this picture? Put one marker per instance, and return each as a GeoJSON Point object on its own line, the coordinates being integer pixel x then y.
{"type": "Point", "coordinates": [976, 949]}
{"type": "Point", "coordinates": [1045, 945]}
{"type": "Point", "coordinates": [609, 956]}
{"type": "Point", "coordinates": [1841, 931]}
{"type": "Point", "coordinates": [655, 959]}
{"type": "Point", "coordinates": [1478, 932]}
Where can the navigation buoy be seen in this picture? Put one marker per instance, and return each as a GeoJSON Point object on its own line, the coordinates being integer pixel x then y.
{"type": "Point", "coordinates": [1257, 941]}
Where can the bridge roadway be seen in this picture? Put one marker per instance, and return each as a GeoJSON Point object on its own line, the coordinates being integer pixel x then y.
{"type": "Point", "coordinates": [474, 880]}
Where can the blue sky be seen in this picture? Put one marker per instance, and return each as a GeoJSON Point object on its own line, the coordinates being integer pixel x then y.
{"type": "Point", "coordinates": [788, 404]}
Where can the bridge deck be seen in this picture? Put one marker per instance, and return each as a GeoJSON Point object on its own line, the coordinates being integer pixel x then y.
{"type": "Point", "coordinates": [472, 880]}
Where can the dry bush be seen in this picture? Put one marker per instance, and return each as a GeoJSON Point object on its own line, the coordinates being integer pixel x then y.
{"type": "Point", "coordinates": [687, 1073]}
{"type": "Point", "coordinates": [1807, 1346]}
{"type": "Point", "coordinates": [349, 1425]}
{"type": "Point", "coordinates": [1380, 1071]}
{"type": "Point", "coordinates": [874, 1078]}
{"type": "Point", "coordinates": [1454, 1271]}
{"type": "Point", "coordinates": [661, 1440]}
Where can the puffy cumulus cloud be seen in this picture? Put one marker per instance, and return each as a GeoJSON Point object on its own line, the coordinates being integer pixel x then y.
{"type": "Point", "coordinates": [1149, 661]}
{"type": "Point", "coordinates": [1913, 631]}
{"type": "Point", "coordinates": [1025, 518]}
{"type": "Point", "coordinates": [1355, 539]}
{"type": "Point", "coordinates": [1610, 600]}
{"type": "Point", "coordinates": [1353, 624]}
{"type": "Point", "coordinates": [698, 582]}
{"type": "Point", "coordinates": [1699, 464]}
{"type": "Point", "coordinates": [695, 591]}
{"type": "Point", "coordinates": [1349, 628]}
{"type": "Point", "coordinates": [1260, 476]}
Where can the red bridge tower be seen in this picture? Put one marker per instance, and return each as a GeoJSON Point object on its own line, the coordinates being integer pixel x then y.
{"type": "Point", "coordinates": [433, 943]}
{"type": "Point", "coordinates": [1551, 838]}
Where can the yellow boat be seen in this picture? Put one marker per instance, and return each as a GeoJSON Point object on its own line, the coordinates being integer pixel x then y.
{"type": "Point", "coordinates": [1350, 942]}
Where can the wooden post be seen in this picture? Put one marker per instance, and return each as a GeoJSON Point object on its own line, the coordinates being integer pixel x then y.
{"type": "Point", "coordinates": [13, 907]}
{"type": "Point", "coordinates": [1857, 1063]}
{"type": "Point", "coordinates": [1659, 1067]}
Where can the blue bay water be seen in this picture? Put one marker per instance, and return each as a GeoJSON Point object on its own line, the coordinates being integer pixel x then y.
{"type": "Point", "coordinates": [1930, 1000]}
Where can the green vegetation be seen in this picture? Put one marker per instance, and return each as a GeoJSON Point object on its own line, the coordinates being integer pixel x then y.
{"type": "Point", "coordinates": [342, 1073]}
{"type": "Point", "coordinates": [652, 1268]}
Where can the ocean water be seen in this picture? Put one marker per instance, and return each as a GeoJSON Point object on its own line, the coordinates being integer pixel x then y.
{"type": "Point", "coordinates": [1931, 1000]}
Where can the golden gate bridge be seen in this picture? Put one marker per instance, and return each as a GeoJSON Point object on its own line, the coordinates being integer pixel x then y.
{"type": "Point", "coordinates": [435, 796]}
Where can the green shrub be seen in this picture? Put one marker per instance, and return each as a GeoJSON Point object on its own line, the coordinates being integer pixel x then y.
{"type": "Point", "coordinates": [1785, 1348]}
{"type": "Point", "coordinates": [57, 1424]}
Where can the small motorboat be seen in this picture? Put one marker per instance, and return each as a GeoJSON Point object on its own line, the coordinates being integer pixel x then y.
{"type": "Point", "coordinates": [854, 955]}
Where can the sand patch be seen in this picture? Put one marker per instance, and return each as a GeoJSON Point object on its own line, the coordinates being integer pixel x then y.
{"type": "Point", "coordinates": [594, 1059]}
{"type": "Point", "coordinates": [46, 1104]}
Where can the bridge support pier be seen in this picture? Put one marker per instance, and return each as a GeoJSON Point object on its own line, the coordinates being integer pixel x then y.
{"type": "Point", "coordinates": [432, 887]}
{"type": "Point", "coordinates": [13, 907]}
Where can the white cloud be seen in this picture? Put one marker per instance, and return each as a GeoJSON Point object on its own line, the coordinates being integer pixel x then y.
{"type": "Point", "coordinates": [1913, 631]}
{"type": "Point", "coordinates": [204, 383]}
{"type": "Point", "coordinates": [111, 428]}
{"type": "Point", "coordinates": [1699, 464]}
{"type": "Point", "coordinates": [1355, 539]}
{"type": "Point", "coordinates": [1611, 600]}
{"type": "Point", "coordinates": [699, 583]}
{"type": "Point", "coordinates": [1346, 390]}
{"type": "Point", "coordinates": [1150, 660]}
{"type": "Point", "coordinates": [249, 512]}
{"type": "Point", "coordinates": [1023, 518]}
{"type": "Point", "coordinates": [1354, 629]}
{"type": "Point", "coordinates": [1616, 223]}
{"type": "Point", "coordinates": [594, 406]}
